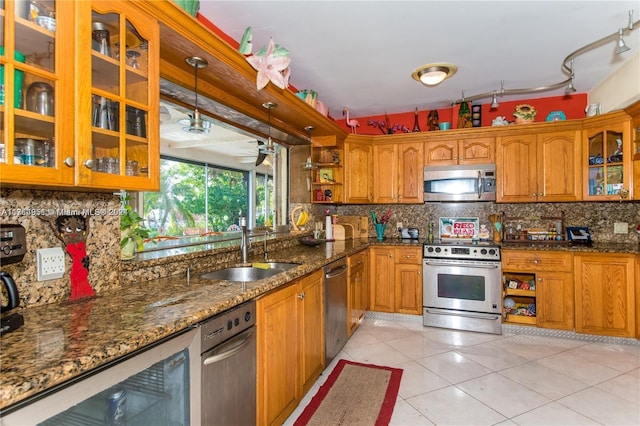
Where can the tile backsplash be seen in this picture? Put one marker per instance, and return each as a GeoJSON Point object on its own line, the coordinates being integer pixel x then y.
{"type": "Point", "coordinates": [28, 207]}
{"type": "Point", "coordinates": [105, 271]}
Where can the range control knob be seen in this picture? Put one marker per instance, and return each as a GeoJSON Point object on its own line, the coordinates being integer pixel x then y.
{"type": "Point", "coordinates": [438, 249]}
{"type": "Point", "coordinates": [492, 252]}
{"type": "Point", "coordinates": [430, 249]}
{"type": "Point", "coordinates": [483, 251]}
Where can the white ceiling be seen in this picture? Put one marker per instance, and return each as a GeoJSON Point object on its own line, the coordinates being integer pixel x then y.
{"type": "Point", "coordinates": [360, 54]}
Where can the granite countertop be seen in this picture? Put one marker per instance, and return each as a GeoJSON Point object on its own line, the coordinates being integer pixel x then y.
{"type": "Point", "coordinates": [62, 341]}
{"type": "Point", "coordinates": [59, 342]}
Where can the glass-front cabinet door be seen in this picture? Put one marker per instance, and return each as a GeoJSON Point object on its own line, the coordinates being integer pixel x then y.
{"type": "Point", "coordinates": [608, 159]}
{"type": "Point", "coordinates": [119, 138]}
{"type": "Point", "coordinates": [36, 141]}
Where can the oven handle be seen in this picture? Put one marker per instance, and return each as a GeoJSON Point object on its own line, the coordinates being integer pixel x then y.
{"type": "Point", "coordinates": [461, 314]}
{"type": "Point", "coordinates": [245, 340]}
{"type": "Point", "coordinates": [473, 265]}
{"type": "Point", "coordinates": [479, 184]}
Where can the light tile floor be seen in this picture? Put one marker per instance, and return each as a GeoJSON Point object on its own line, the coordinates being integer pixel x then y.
{"type": "Point", "coordinates": [462, 378]}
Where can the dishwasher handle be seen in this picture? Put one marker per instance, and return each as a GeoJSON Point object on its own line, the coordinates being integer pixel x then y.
{"type": "Point", "coordinates": [336, 272]}
{"type": "Point", "coordinates": [230, 348]}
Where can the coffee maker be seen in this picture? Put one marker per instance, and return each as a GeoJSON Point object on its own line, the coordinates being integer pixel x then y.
{"type": "Point", "coordinates": [13, 246]}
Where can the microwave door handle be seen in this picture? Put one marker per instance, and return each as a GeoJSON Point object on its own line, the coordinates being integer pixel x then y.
{"type": "Point", "coordinates": [479, 184]}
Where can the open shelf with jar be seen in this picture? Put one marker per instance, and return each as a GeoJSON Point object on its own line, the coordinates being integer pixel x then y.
{"type": "Point", "coordinates": [327, 175]}
{"type": "Point", "coordinates": [519, 298]}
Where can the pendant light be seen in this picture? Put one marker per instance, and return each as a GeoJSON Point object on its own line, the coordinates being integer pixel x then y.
{"type": "Point", "coordinates": [571, 88]}
{"type": "Point", "coordinates": [621, 47]}
{"type": "Point", "coordinates": [269, 147]}
{"type": "Point", "coordinates": [195, 123]}
{"type": "Point", "coordinates": [309, 165]}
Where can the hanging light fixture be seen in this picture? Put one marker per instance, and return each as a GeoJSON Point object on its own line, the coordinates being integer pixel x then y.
{"type": "Point", "coordinates": [269, 147]}
{"type": "Point", "coordinates": [309, 165]}
{"type": "Point", "coordinates": [434, 74]}
{"type": "Point", "coordinates": [195, 123]}
{"type": "Point", "coordinates": [494, 102]}
{"type": "Point", "coordinates": [621, 47]}
{"type": "Point", "coordinates": [571, 88]}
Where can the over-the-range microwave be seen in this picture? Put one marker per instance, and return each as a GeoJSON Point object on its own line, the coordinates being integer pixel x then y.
{"type": "Point", "coordinates": [476, 182]}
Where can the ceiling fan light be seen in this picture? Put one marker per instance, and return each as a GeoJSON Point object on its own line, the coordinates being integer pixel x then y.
{"type": "Point", "coordinates": [434, 74]}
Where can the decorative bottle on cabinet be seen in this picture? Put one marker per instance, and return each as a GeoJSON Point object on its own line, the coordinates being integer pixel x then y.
{"type": "Point", "coordinates": [416, 126]}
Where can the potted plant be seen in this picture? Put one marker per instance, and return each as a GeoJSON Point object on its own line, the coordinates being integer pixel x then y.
{"type": "Point", "coordinates": [132, 232]}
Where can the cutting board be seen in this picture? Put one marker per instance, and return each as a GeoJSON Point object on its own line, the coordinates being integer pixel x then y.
{"type": "Point", "coordinates": [360, 225]}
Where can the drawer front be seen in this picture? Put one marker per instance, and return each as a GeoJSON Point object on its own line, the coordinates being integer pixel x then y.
{"type": "Point", "coordinates": [412, 255]}
{"type": "Point", "coordinates": [531, 261]}
{"type": "Point", "coordinates": [356, 260]}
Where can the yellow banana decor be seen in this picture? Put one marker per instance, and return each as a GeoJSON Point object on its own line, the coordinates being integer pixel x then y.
{"type": "Point", "coordinates": [302, 218]}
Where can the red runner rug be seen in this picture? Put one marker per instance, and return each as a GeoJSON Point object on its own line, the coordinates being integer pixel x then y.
{"type": "Point", "coordinates": [354, 394]}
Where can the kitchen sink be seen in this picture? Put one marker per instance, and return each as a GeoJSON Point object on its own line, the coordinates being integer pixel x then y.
{"type": "Point", "coordinates": [249, 273]}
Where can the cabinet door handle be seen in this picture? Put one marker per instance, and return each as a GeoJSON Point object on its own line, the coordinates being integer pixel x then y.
{"type": "Point", "coordinates": [70, 161]}
{"type": "Point", "coordinates": [533, 195]}
{"type": "Point", "coordinates": [301, 296]}
{"type": "Point", "coordinates": [419, 272]}
{"type": "Point", "coordinates": [539, 279]}
{"type": "Point", "coordinates": [89, 164]}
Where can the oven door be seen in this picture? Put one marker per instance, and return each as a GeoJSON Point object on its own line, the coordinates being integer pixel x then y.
{"type": "Point", "coordinates": [473, 286]}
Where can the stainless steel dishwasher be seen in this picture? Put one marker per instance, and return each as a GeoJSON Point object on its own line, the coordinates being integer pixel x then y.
{"type": "Point", "coordinates": [335, 326]}
{"type": "Point", "coordinates": [229, 367]}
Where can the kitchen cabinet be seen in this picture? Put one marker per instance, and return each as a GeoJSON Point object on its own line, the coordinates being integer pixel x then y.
{"type": "Point", "coordinates": [467, 150]}
{"type": "Point", "coordinates": [604, 294]}
{"type": "Point", "coordinates": [637, 293]}
{"type": "Point", "coordinates": [103, 132]}
{"type": "Point", "coordinates": [552, 290]}
{"type": "Point", "coordinates": [634, 112]}
{"type": "Point", "coordinates": [358, 170]}
{"type": "Point", "coordinates": [396, 279]}
{"type": "Point", "coordinates": [536, 166]}
{"type": "Point", "coordinates": [385, 173]}
{"type": "Point", "coordinates": [607, 158]}
{"type": "Point", "coordinates": [410, 172]}
{"type": "Point", "coordinates": [358, 294]}
{"type": "Point", "coordinates": [398, 172]}
{"type": "Point", "coordinates": [327, 177]}
{"type": "Point", "coordinates": [290, 354]}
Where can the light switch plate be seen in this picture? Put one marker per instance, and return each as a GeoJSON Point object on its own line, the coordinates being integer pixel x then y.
{"type": "Point", "coordinates": [620, 228]}
{"type": "Point", "coordinates": [50, 263]}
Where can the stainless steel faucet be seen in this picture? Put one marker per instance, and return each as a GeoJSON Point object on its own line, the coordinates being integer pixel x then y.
{"type": "Point", "coordinates": [266, 237]}
{"type": "Point", "coordinates": [244, 249]}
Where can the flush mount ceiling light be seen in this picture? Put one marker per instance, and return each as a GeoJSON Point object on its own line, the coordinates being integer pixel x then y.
{"type": "Point", "coordinates": [269, 147]}
{"type": "Point", "coordinates": [195, 123]}
{"type": "Point", "coordinates": [434, 74]}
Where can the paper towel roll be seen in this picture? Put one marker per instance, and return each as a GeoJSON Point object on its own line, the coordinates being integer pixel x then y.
{"type": "Point", "coordinates": [328, 228]}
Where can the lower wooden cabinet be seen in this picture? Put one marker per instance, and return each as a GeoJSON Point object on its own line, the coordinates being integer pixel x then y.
{"type": "Point", "coordinates": [605, 294]}
{"type": "Point", "coordinates": [290, 353]}
{"type": "Point", "coordinates": [396, 279]}
{"type": "Point", "coordinates": [551, 271]}
{"type": "Point", "coordinates": [637, 292]}
{"type": "Point", "coordinates": [358, 291]}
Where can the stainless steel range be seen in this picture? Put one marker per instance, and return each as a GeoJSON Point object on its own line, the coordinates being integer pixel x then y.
{"type": "Point", "coordinates": [462, 286]}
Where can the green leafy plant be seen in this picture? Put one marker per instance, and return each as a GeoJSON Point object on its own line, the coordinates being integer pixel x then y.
{"type": "Point", "coordinates": [131, 228]}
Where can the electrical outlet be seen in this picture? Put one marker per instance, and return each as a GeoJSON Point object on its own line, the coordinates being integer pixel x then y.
{"type": "Point", "coordinates": [620, 228]}
{"type": "Point", "coordinates": [399, 225]}
{"type": "Point", "coordinates": [50, 263]}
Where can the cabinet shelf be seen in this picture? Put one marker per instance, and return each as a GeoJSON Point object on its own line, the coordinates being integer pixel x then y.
{"type": "Point", "coordinates": [519, 292]}
{"type": "Point", "coordinates": [521, 319]}
{"type": "Point", "coordinates": [31, 123]}
{"type": "Point", "coordinates": [326, 183]}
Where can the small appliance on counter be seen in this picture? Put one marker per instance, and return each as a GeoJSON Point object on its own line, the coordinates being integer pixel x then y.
{"type": "Point", "coordinates": [13, 246]}
{"type": "Point", "coordinates": [409, 233]}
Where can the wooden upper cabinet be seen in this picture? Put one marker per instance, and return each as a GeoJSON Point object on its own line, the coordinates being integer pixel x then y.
{"type": "Point", "coordinates": [358, 172]}
{"type": "Point", "coordinates": [515, 168]}
{"type": "Point", "coordinates": [398, 172]}
{"type": "Point", "coordinates": [607, 158]}
{"type": "Point", "coordinates": [385, 173]}
{"type": "Point", "coordinates": [105, 103]}
{"type": "Point", "coordinates": [558, 166]}
{"type": "Point", "coordinates": [460, 151]}
{"type": "Point", "coordinates": [538, 167]}
{"type": "Point", "coordinates": [410, 172]}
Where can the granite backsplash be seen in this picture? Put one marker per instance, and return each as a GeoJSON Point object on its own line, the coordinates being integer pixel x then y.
{"type": "Point", "coordinates": [599, 217]}
{"type": "Point", "coordinates": [106, 269]}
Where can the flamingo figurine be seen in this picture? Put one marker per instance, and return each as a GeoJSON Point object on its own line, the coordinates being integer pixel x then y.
{"type": "Point", "coordinates": [353, 123]}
